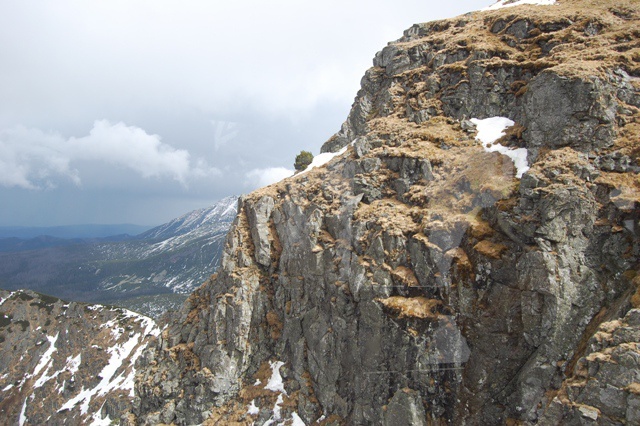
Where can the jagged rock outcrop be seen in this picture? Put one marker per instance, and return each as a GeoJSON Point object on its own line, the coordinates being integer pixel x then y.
{"type": "Point", "coordinates": [415, 279]}
{"type": "Point", "coordinates": [605, 385]}
{"type": "Point", "coordinates": [66, 363]}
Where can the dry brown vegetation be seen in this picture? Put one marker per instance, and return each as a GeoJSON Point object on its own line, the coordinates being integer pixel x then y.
{"type": "Point", "coordinates": [412, 307]}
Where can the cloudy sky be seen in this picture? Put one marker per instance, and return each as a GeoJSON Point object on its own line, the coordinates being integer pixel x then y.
{"type": "Point", "coordinates": [137, 111]}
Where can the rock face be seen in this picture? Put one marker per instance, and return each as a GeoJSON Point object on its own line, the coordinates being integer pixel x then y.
{"type": "Point", "coordinates": [66, 363]}
{"type": "Point", "coordinates": [414, 279]}
{"type": "Point", "coordinates": [605, 384]}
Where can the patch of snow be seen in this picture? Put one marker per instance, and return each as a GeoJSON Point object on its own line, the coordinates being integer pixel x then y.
{"type": "Point", "coordinates": [232, 206]}
{"type": "Point", "coordinates": [275, 383]}
{"type": "Point", "coordinates": [277, 415]}
{"type": "Point", "coordinates": [257, 383]}
{"type": "Point", "coordinates": [73, 364]}
{"type": "Point", "coordinates": [509, 3]}
{"type": "Point", "coordinates": [108, 382]}
{"type": "Point", "coordinates": [490, 130]}
{"type": "Point", "coordinates": [9, 386]}
{"type": "Point", "coordinates": [252, 409]}
{"type": "Point", "coordinates": [129, 381]}
{"type": "Point", "coordinates": [165, 244]}
{"type": "Point", "coordinates": [83, 395]}
{"type": "Point", "coordinates": [297, 421]}
{"type": "Point", "coordinates": [95, 307]}
{"type": "Point", "coordinates": [45, 361]}
{"type": "Point", "coordinates": [277, 409]}
{"type": "Point", "coordinates": [2, 300]}
{"type": "Point", "coordinates": [23, 417]}
{"type": "Point", "coordinates": [169, 283]}
{"type": "Point", "coordinates": [119, 354]}
{"type": "Point", "coordinates": [322, 159]}
{"type": "Point", "coordinates": [150, 327]}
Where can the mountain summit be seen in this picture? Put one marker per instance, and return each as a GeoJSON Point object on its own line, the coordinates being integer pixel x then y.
{"type": "Point", "coordinates": [198, 221]}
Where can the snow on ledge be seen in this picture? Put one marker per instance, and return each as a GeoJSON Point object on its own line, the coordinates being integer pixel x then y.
{"type": "Point", "coordinates": [252, 409]}
{"type": "Point", "coordinates": [275, 382]}
{"type": "Point", "coordinates": [490, 130]}
{"type": "Point", "coordinates": [297, 421]}
{"type": "Point", "coordinates": [322, 159]}
{"type": "Point", "coordinates": [509, 3]}
{"type": "Point", "coordinates": [23, 418]}
{"type": "Point", "coordinates": [6, 298]}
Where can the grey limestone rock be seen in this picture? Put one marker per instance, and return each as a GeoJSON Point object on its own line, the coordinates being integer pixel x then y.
{"type": "Point", "coordinates": [258, 216]}
{"type": "Point", "coordinates": [415, 279]}
{"type": "Point", "coordinates": [405, 409]}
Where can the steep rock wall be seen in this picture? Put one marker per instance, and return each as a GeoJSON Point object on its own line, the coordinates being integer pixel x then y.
{"type": "Point", "coordinates": [414, 279]}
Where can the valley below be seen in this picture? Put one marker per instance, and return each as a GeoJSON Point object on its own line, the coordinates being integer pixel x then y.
{"type": "Point", "coordinates": [148, 273]}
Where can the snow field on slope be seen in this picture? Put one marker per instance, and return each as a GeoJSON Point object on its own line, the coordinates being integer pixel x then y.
{"type": "Point", "coordinates": [119, 353]}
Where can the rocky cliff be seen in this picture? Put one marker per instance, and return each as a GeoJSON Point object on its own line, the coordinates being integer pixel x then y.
{"type": "Point", "coordinates": [66, 363]}
{"type": "Point", "coordinates": [423, 277]}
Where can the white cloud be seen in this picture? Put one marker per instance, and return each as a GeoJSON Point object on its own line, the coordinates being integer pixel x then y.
{"type": "Point", "coordinates": [121, 54]}
{"type": "Point", "coordinates": [257, 178]}
{"type": "Point", "coordinates": [31, 158]}
{"type": "Point", "coordinates": [241, 85]}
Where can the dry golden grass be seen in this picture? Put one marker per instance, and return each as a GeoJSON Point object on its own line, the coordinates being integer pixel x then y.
{"type": "Point", "coordinates": [634, 388]}
{"type": "Point", "coordinates": [592, 36]}
{"type": "Point", "coordinates": [490, 249]}
{"type": "Point", "coordinates": [392, 215]}
{"type": "Point", "coordinates": [625, 185]}
{"type": "Point", "coordinates": [275, 324]}
{"type": "Point", "coordinates": [412, 307]}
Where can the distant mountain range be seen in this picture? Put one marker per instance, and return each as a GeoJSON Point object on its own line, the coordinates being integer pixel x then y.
{"type": "Point", "coordinates": [72, 231]}
{"type": "Point", "coordinates": [148, 273]}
